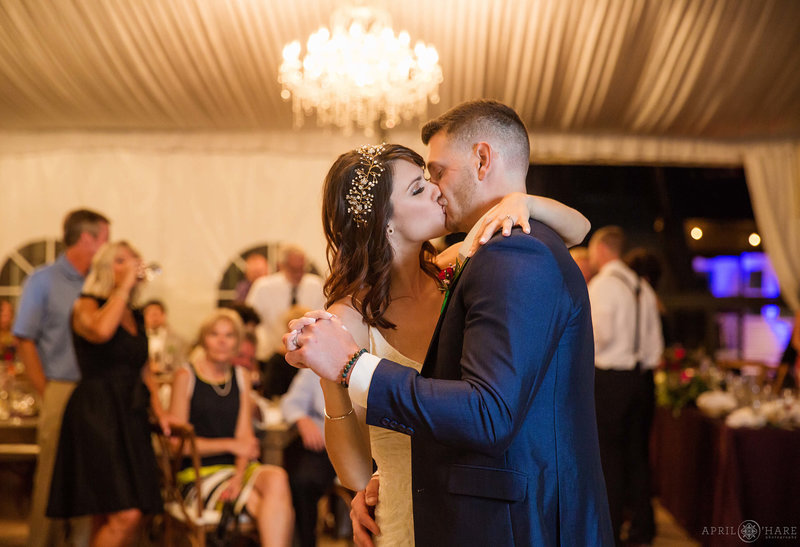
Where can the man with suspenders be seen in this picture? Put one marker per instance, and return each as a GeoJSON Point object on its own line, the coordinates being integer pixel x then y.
{"type": "Point", "coordinates": [628, 345]}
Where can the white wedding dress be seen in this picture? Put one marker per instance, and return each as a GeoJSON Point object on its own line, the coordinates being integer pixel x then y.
{"type": "Point", "coordinates": [392, 452]}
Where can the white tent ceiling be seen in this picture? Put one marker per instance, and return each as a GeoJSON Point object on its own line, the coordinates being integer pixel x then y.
{"type": "Point", "coordinates": [679, 68]}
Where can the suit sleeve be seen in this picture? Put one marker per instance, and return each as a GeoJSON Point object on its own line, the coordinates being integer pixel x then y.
{"type": "Point", "coordinates": [514, 297]}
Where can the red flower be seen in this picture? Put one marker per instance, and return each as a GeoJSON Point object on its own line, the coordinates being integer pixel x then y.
{"type": "Point", "coordinates": [446, 277]}
{"type": "Point", "coordinates": [446, 274]}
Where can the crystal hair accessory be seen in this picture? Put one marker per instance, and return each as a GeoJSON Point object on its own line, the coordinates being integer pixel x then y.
{"type": "Point", "coordinates": [359, 196]}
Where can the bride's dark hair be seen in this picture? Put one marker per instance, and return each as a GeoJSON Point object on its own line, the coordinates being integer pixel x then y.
{"type": "Point", "coordinates": [360, 255]}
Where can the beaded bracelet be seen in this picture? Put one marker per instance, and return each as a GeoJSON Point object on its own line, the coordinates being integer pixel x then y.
{"type": "Point", "coordinates": [349, 365]}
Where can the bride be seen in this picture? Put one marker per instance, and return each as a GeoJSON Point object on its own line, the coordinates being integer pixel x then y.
{"type": "Point", "coordinates": [379, 215]}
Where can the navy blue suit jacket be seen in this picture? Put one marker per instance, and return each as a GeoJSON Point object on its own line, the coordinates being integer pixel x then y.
{"type": "Point", "coordinates": [502, 418]}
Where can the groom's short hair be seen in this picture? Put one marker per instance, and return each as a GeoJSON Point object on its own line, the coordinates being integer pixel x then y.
{"type": "Point", "coordinates": [472, 121]}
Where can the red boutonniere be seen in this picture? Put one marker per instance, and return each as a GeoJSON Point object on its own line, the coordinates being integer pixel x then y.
{"type": "Point", "coordinates": [447, 277]}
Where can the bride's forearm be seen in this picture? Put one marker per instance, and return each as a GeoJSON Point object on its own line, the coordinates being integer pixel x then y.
{"type": "Point", "coordinates": [346, 441]}
{"type": "Point", "coordinates": [567, 222]}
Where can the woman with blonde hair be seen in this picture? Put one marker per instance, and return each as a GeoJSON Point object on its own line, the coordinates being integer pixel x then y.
{"type": "Point", "coordinates": [105, 465]}
{"type": "Point", "coordinates": [214, 396]}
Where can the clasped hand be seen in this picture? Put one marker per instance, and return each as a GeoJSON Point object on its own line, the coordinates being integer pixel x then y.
{"type": "Point", "coordinates": [319, 341]}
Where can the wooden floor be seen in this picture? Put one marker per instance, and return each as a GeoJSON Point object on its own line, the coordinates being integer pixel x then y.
{"type": "Point", "coordinates": [14, 531]}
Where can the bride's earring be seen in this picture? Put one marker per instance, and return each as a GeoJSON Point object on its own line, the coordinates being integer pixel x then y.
{"type": "Point", "coordinates": [389, 230]}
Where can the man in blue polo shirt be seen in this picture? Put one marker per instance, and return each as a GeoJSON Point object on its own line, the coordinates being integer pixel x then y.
{"type": "Point", "coordinates": [43, 329]}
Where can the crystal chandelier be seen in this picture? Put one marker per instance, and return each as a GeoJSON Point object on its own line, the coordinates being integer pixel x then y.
{"type": "Point", "coordinates": [360, 74]}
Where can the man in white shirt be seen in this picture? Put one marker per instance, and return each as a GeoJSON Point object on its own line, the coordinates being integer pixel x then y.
{"type": "Point", "coordinates": [273, 295]}
{"type": "Point", "coordinates": [310, 471]}
{"type": "Point", "coordinates": [628, 345]}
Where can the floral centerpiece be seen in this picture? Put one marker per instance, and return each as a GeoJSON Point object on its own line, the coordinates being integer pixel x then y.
{"type": "Point", "coordinates": [679, 380]}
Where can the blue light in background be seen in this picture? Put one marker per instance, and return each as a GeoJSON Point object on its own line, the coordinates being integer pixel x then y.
{"type": "Point", "coordinates": [770, 311]}
{"type": "Point", "coordinates": [723, 274]}
{"type": "Point", "coordinates": [758, 263]}
{"type": "Point", "coordinates": [749, 274]}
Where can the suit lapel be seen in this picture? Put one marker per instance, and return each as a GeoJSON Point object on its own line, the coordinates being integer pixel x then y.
{"type": "Point", "coordinates": [433, 347]}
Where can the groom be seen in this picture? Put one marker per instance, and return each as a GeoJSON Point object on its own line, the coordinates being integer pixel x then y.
{"type": "Point", "coordinates": [501, 418]}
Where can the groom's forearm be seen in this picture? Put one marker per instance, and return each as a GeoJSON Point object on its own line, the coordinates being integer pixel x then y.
{"type": "Point", "coordinates": [499, 366]}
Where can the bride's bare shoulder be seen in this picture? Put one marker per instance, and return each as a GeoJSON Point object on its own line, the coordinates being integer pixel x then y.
{"type": "Point", "coordinates": [352, 319]}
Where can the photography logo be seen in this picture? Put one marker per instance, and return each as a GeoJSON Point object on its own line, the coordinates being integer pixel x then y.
{"type": "Point", "coordinates": [749, 531]}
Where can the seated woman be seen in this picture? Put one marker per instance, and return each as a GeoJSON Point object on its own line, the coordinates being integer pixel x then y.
{"type": "Point", "coordinates": [214, 396]}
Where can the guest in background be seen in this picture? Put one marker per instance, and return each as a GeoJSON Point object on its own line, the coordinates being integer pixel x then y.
{"type": "Point", "coordinates": [214, 396]}
{"type": "Point", "coordinates": [166, 348]}
{"type": "Point", "coordinates": [789, 367]}
{"type": "Point", "coordinates": [645, 263]}
{"type": "Point", "coordinates": [248, 315]}
{"type": "Point", "coordinates": [247, 348]}
{"type": "Point", "coordinates": [105, 465]}
{"type": "Point", "coordinates": [581, 257]}
{"type": "Point", "coordinates": [628, 346]}
{"type": "Point", "coordinates": [647, 266]}
{"type": "Point", "coordinates": [277, 374]}
{"type": "Point", "coordinates": [273, 295]}
{"type": "Point", "coordinates": [256, 267]}
{"type": "Point", "coordinates": [8, 344]}
{"type": "Point", "coordinates": [42, 327]}
{"type": "Point", "coordinates": [310, 471]}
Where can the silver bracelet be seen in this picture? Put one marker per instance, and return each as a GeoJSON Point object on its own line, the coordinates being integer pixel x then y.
{"type": "Point", "coordinates": [325, 411]}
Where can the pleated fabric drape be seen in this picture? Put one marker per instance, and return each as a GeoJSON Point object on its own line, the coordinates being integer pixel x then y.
{"type": "Point", "coordinates": [773, 177]}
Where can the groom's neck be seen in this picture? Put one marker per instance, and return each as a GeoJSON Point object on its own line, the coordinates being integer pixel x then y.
{"type": "Point", "coordinates": [489, 199]}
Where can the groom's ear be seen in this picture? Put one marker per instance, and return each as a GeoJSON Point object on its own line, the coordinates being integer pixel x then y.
{"type": "Point", "coordinates": [483, 156]}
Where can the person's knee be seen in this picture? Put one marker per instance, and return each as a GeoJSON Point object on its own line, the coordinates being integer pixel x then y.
{"type": "Point", "coordinates": [273, 478]}
{"type": "Point", "coordinates": [126, 520]}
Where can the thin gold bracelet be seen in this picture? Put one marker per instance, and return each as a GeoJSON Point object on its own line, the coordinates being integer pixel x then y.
{"type": "Point", "coordinates": [325, 411]}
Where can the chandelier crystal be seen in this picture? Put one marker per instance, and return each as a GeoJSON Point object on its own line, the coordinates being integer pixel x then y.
{"type": "Point", "coordinates": [360, 74]}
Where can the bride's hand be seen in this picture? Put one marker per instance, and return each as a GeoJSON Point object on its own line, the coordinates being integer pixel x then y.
{"type": "Point", "coordinates": [516, 208]}
{"type": "Point", "coordinates": [513, 210]}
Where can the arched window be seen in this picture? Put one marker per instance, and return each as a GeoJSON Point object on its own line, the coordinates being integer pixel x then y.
{"type": "Point", "coordinates": [234, 273]}
{"type": "Point", "coordinates": [19, 264]}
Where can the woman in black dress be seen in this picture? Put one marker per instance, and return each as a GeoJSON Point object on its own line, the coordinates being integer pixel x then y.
{"type": "Point", "coordinates": [105, 465]}
{"type": "Point", "coordinates": [214, 396]}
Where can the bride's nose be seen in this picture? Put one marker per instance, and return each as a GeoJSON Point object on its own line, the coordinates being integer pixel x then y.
{"type": "Point", "coordinates": [436, 193]}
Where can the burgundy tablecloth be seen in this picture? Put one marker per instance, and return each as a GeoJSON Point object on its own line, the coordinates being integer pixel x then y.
{"type": "Point", "coordinates": [712, 478]}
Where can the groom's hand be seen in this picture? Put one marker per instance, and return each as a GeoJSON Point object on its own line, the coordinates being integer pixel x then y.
{"type": "Point", "coordinates": [362, 512]}
{"type": "Point", "coordinates": [323, 345]}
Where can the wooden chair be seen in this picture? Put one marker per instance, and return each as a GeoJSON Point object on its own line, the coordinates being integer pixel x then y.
{"type": "Point", "coordinates": [195, 521]}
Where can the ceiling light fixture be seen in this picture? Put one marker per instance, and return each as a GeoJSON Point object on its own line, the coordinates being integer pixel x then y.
{"type": "Point", "coordinates": [360, 74]}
